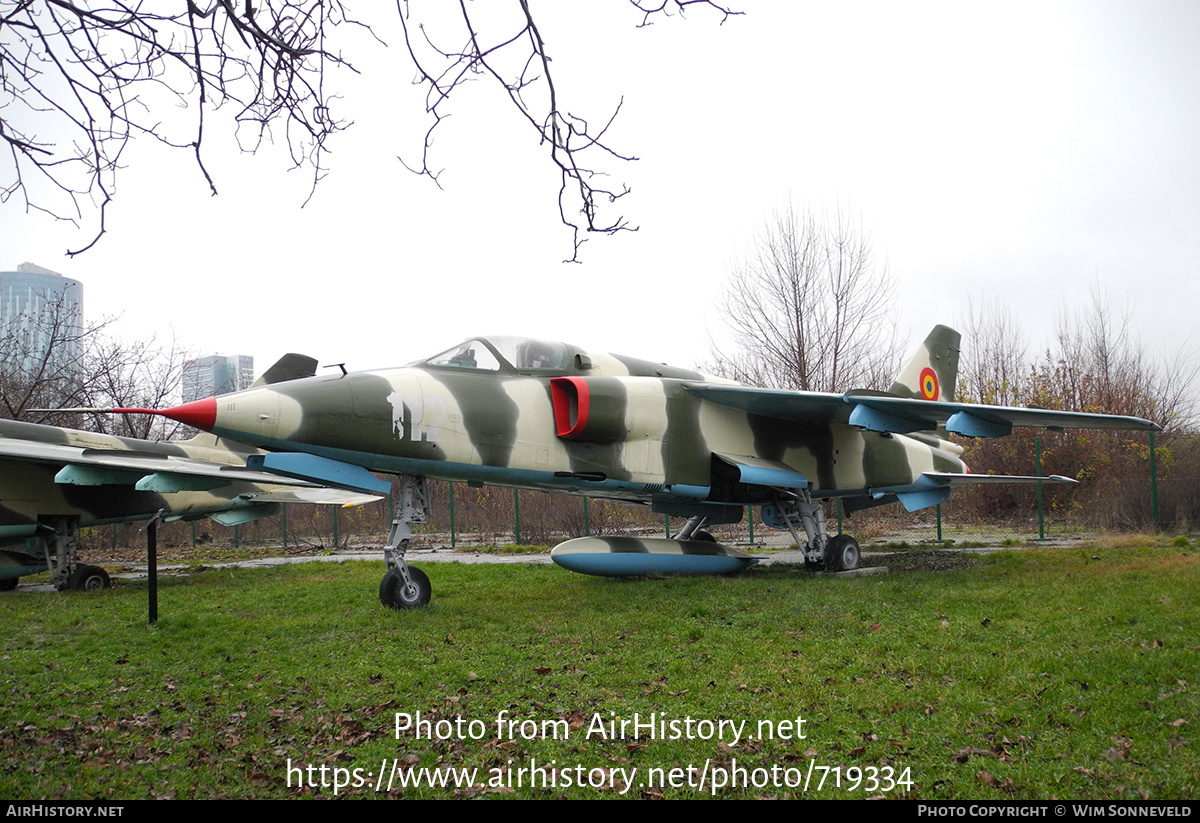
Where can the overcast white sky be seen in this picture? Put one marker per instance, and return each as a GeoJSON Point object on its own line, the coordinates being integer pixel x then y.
{"type": "Point", "coordinates": [1017, 152]}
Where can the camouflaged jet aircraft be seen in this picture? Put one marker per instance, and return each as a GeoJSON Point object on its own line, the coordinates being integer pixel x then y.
{"type": "Point", "coordinates": [534, 414]}
{"type": "Point", "coordinates": [53, 481]}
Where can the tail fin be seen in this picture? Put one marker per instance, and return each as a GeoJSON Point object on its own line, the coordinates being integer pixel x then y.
{"type": "Point", "coordinates": [932, 371]}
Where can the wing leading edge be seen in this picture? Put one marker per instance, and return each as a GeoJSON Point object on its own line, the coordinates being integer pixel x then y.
{"type": "Point", "coordinates": [901, 415]}
{"type": "Point", "coordinates": [171, 473]}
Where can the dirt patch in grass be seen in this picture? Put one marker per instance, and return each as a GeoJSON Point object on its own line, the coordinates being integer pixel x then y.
{"type": "Point", "coordinates": [931, 560]}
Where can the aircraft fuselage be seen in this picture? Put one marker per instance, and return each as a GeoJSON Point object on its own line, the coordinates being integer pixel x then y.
{"type": "Point", "coordinates": [631, 436]}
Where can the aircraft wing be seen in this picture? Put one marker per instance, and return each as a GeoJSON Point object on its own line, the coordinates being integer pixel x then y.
{"type": "Point", "coordinates": [170, 473]}
{"type": "Point", "coordinates": [888, 413]}
{"type": "Point", "coordinates": [797, 406]}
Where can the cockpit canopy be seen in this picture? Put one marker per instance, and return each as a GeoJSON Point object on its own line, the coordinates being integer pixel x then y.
{"type": "Point", "coordinates": [548, 358]}
{"type": "Point", "coordinates": [507, 354]}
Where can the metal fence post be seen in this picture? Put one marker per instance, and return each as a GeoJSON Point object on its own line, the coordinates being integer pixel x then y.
{"type": "Point", "coordinates": [1153, 484]}
{"type": "Point", "coordinates": [1037, 452]}
{"type": "Point", "coordinates": [517, 516]}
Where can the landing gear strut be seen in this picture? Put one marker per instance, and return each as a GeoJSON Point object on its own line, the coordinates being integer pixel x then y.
{"type": "Point", "coordinates": [795, 507]}
{"type": "Point", "coordinates": [691, 531]}
{"type": "Point", "coordinates": [62, 556]}
{"type": "Point", "coordinates": [405, 586]}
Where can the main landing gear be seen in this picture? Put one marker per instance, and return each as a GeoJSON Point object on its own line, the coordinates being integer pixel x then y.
{"type": "Point", "coordinates": [795, 508]}
{"type": "Point", "coordinates": [692, 531]}
{"type": "Point", "coordinates": [61, 549]}
{"type": "Point", "coordinates": [405, 586]}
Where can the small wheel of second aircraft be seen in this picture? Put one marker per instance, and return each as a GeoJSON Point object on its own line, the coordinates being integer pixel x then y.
{"type": "Point", "coordinates": [702, 536]}
{"type": "Point", "coordinates": [88, 579]}
{"type": "Point", "coordinates": [9, 583]}
{"type": "Point", "coordinates": [394, 594]}
{"type": "Point", "coordinates": [841, 554]}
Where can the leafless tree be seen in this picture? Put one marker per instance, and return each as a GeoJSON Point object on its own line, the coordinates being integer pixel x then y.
{"type": "Point", "coordinates": [808, 308]}
{"type": "Point", "coordinates": [51, 359]}
{"type": "Point", "coordinates": [1093, 363]}
{"type": "Point", "coordinates": [993, 367]}
{"type": "Point", "coordinates": [80, 78]}
{"type": "Point", "coordinates": [143, 374]}
{"type": "Point", "coordinates": [41, 352]}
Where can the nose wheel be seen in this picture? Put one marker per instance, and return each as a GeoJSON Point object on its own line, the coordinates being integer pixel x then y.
{"type": "Point", "coordinates": [397, 593]}
{"type": "Point", "coordinates": [405, 586]}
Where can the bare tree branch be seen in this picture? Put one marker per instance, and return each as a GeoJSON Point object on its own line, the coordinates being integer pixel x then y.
{"type": "Point", "coordinates": [516, 59]}
{"type": "Point", "coordinates": [1091, 363]}
{"type": "Point", "coordinates": [51, 359]}
{"type": "Point", "coordinates": [79, 79]}
{"type": "Point", "coordinates": [808, 309]}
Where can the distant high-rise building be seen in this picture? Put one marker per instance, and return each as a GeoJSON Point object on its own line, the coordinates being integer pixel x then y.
{"type": "Point", "coordinates": [41, 314]}
{"type": "Point", "coordinates": [216, 374]}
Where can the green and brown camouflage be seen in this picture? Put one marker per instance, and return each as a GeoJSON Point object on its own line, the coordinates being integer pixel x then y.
{"type": "Point", "coordinates": [533, 414]}
{"type": "Point", "coordinates": [511, 411]}
{"type": "Point", "coordinates": [544, 415]}
{"type": "Point", "coordinates": [54, 481]}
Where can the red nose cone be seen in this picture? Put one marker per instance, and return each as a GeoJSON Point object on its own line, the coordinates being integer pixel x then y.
{"type": "Point", "coordinates": [200, 414]}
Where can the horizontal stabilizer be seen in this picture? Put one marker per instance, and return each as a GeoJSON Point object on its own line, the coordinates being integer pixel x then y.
{"type": "Point", "coordinates": [956, 479]}
{"type": "Point", "coordinates": [933, 488]}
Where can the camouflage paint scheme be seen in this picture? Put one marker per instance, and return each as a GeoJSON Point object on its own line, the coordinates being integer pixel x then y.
{"type": "Point", "coordinates": [540, 415]}
{"type": "Point", "coordinates": [535, 414]}
{"type": "Point", "coordinates": [49, 474]}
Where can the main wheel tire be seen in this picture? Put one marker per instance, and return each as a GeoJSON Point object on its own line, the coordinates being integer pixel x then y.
{"type": "Point", "coordinates": [88, 579]}
{"type": "Point", "coordinates": [702, 536]}
{"type": "Point", "coordinates": [9, 583]}
{"type": "Point", "coordinates": [842, 554]}
{"type": "Point", "coordinates": [394, 594]}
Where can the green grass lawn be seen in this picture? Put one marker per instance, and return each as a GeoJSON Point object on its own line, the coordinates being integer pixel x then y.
{"type": "Point", "coordinates": [1031, 674]}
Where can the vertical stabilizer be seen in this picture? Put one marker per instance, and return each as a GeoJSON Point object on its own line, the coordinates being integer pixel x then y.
{"type": "Point", "coordinates": [932, 371]}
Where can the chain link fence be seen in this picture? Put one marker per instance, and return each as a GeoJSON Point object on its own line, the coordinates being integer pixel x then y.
{"type": "Point", "coordinates": [464, 516]}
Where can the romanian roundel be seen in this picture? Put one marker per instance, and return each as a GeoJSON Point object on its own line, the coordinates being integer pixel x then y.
{"type": "Point", "coordinates": [929, 384]}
